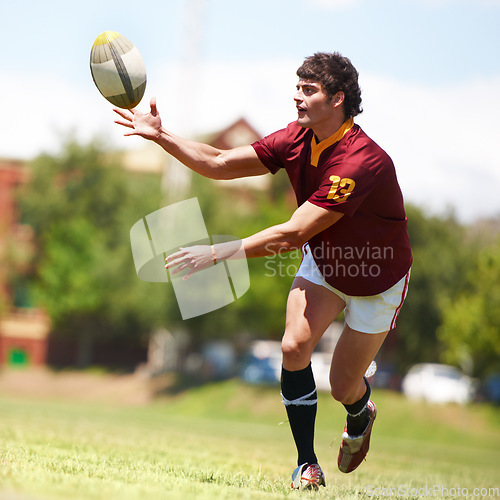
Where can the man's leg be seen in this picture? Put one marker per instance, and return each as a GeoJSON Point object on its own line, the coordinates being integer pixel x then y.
{"type": "Point", "coordinates": [352, 356]}
{"type": "Point", "coordinates": [310, 310]}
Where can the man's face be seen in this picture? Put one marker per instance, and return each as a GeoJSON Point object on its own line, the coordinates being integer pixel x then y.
{"type": "Point", "coordinates": [314, 109]}
{"type": "Point", "coordinates": [313, 105]}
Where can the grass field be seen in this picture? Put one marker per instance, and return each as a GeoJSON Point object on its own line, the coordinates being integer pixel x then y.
{"type": "Point", "coordinates": [231, 441]}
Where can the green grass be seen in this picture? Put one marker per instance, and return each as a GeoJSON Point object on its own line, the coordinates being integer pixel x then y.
{"type": "Point", "coordinates": [232, 441]}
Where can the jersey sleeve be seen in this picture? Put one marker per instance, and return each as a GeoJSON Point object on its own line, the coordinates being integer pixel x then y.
{"type": "Point", "coordinates": [274, 149]}
{"type": "Point", "coordinates": [266, 156]}
{"type": "Point", "coordinates": [343, 188]}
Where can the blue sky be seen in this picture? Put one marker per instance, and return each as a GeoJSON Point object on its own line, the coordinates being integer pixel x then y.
{"type": "Point", "coordinates": [429, 70]}
{"type": "Point", "coordinates": [414, 40]}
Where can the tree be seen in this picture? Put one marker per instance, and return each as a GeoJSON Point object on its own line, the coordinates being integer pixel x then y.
{"type": "Point", "coordinates": [81, 205]}
{"type": "Point", "coordinates": [442, 257]}
{"type": "Point", "coordinates": [470, 331]}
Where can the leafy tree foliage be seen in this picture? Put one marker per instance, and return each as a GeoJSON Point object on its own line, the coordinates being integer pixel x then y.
{"type": "Point", "coordinates": [442, 258]}
{"type": "Point", "coordinates": [470, 330]}
{"type": "Point", "coordinates": [81, 206]}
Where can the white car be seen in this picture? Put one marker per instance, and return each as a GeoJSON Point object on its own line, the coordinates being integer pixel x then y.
{"type": "Point", "coordinates": [437, 383]}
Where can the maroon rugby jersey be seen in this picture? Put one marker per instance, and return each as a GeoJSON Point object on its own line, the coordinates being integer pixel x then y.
{"type": "Point", "coordinates": [368, 250]}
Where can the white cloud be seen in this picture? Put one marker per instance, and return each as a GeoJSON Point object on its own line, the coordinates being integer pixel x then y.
{"type": "Point", "coordinates": [443, 140]}
{"type": "Point", "coordinates": [222, 92]}
{"type": "Point", "coordinates": [42, 110]}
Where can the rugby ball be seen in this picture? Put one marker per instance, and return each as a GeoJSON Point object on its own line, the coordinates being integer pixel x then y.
{"type": "Point", "coordinates": [118, 69]}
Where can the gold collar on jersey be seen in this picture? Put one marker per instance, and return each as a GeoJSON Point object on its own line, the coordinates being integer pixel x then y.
{"type": "Point", "coordinates": [318, 148]}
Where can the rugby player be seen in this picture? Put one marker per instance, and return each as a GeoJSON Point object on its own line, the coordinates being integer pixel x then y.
{"type": "Point", "coordinates": [352, 228]}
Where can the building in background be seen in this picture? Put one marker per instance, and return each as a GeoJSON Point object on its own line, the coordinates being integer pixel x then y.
{"type": "Point", "coordinates": [23, 331]}
{"type": "Point", "coordinates": [13, 173]}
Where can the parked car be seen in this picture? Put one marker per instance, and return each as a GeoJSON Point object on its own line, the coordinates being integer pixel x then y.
{"type": "Point", "coordinates": [262, 364]}
{"type": "Point", "coordinates": [259, 371]}
{"type": "Point", "coordinates": [436, 383]}
{"type": "Point", "coordinates": [491, 388]}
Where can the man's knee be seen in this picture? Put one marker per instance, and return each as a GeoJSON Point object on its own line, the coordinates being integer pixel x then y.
{"type": "Point", "coordinates": [342, 391]}
{"type": "Point", "coordinates": [295, 353]}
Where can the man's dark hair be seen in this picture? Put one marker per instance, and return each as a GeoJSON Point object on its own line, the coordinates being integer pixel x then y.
{"type": "Point", "coordinates": [335, 73]}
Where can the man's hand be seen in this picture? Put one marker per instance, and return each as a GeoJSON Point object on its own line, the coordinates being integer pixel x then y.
{"type": "Point", "coordinates": [190, 259]}
{"type": "Point", "coordinates": [147, 125]}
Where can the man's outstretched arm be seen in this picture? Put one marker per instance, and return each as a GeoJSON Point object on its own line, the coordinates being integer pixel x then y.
{"type": "Point", "coordinates": [201, 158]}
{"type": "Point", "coordinates": [307, 221]}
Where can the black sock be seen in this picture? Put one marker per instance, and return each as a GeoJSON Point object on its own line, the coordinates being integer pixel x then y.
{"type": "Point", "coordinates": [358, 415]}
{"type": "Point", "coordinates": [301, 410]}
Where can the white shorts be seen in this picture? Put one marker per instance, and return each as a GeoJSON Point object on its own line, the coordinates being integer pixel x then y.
{"type": "Point", "coordinates": [370, 314]}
